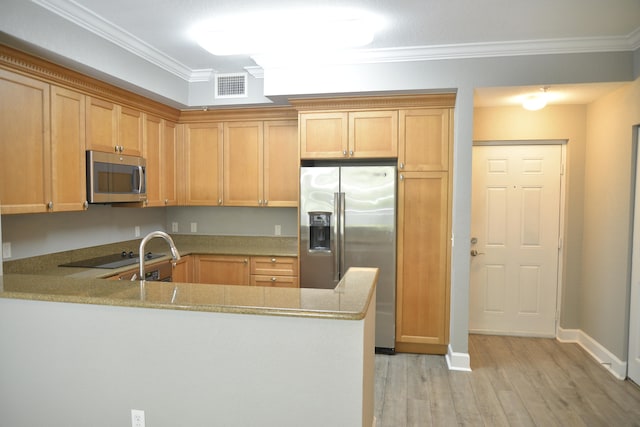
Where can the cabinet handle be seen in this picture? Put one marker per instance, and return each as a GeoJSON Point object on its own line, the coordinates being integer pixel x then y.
{"type": "Point", "coordinates": [351, 153]}
{"type": "Point", "coordinates": [344, 152]}
{"type": "Point", "coordinates": [401, 165]}
{"type": "Point", "coordinates": [401, 177]}
{"type": "Point", "coordinates": [266, 202]}
{"type": "Point", "coordinates": [50, 205]}
{"type": "Point", "coordinates": [260, 202]}
{"type": "Point", "coordinates": [220, 202]}
{"type": "Point", "coordinates": [85, 205]}
{"type": "Point", "coordinates": [166, 201]}
{"type": "Point", "coordinates": [246, 261]}
{"type": "Point", "coordinates": [116, 148]}
{"type": "Point", "coordinates": [273, 260]}
{"type": "Point", "coordinates": [273, 279]}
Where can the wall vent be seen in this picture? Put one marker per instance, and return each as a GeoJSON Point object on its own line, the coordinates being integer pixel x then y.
{"type": "Point", "coordinates": [232, 85]}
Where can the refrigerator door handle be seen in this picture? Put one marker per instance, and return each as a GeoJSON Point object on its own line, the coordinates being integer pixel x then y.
{"type": "Point", "coordinates": [341, 237]}
{"type": "Point", "coordinates": [336, 238]}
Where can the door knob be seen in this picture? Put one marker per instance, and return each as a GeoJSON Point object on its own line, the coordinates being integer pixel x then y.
{"type": "Point", "coordinates": [474, 240]}
{"type": "Point", "coordinates": [476, 253]}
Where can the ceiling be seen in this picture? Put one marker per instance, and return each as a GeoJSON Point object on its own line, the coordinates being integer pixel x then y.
{"type": "Point", "coordinates": [158, 32]}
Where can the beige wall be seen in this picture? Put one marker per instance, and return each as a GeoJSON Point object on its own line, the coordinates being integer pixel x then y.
{"type": "Point", "coordinates": [607, 218]}
{"type": "Point", "coordinates": [554, 122]}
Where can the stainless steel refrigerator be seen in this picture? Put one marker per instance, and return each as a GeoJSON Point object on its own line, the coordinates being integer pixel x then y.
{"type": "Point", "coordinates": [348, 219]}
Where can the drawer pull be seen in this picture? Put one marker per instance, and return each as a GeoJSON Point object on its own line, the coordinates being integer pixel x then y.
{"type": "Point", "coordinates": [273, 279]}
{"type": "Point", "coordinates": [273, 260]}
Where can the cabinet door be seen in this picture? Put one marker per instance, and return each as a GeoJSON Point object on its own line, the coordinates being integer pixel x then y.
{"type": "Point", "coordinates": [222, 270]}
{"type": "Point", "coordinates": [168, 164]}
{"type": "Point", "coordinates": [424, 140]}
{"type": "Point", "coordinates": [68, 160]}
{"type": "Point", "coordinates": [281, 163]}
{"type": "Point", "coordinates": [183, 270]}
{"type": "Point", "coordinates": [24, 144]}
{"type": "Point", "coordinates": [130, 131]}
{"type": "Point", "coordinates": [324, 135]}
{"type": "Point", "coordinates": [202, 165]}
{"type": "Point", "coordinates": [422, 275]}
{"type": "Point", "coordinates": [243, 176]}
{"type": "Point", "coordinates": [101, 125]}
{"type": "Point", "coordinates": [373, 134]}
{"type": "Point", "coordinates": [153, 127]}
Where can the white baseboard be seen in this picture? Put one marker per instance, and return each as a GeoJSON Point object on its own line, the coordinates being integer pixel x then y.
{"type": "Point", "coordinates": [457, 361]}
{"type": "Point", "coordinates": [615, 366]}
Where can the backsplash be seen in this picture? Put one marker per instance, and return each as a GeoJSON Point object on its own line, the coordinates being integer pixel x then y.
{"type": "Point", "coordinates": [39, 234]}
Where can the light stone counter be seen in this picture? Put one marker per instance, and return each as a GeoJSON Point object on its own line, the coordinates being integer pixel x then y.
{"type": "Point", "coordinates": [349, 300]}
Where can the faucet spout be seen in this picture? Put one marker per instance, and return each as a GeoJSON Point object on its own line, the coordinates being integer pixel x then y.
{"type": "Point", "coordinates": [174, 251]}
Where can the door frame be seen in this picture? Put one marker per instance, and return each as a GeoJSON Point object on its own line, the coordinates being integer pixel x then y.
{"type": "Point", "coordinates": [635, 248]}
{"type": "Point", "coordinates": [563, 194]}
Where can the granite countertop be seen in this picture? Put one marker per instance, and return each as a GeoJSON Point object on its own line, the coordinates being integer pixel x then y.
{"type": "Point", "coordinates": [41, 278]}
{"type": "Point", "coordinates": [49, 265]}
{"type": "Point", "coordinates": [348, 301]}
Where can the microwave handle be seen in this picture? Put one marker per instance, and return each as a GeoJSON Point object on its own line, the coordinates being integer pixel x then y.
{"type": "Point", "coordinates": [140, 176]}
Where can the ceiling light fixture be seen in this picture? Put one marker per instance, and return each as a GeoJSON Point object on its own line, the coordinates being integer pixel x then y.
{"type": "Point", "coordinates": [537, 101]}
{"type": "Point", "coordinates": [290, 31]}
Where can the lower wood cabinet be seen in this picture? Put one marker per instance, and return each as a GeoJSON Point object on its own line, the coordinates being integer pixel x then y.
{"type": "Point", "coordinates": [222, 270]}
{"type": "Point", "coordinates": [274, 271]}
{"type": "Point", "coordinates": [183, 270]}
{"type": "Point", "coordinates": [422, 324]}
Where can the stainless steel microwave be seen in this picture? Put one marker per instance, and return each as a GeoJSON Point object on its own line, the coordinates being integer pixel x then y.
{"type": "Point", "coordinates": [114, 178]}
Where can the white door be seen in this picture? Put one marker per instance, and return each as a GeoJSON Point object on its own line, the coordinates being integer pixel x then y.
{"type": "Point", "coordinates": [633, 365]}
{"type": "Point", "coordinates": [515, 239]}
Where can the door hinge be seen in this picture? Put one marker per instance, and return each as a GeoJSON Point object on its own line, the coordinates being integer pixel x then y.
{"type": "Point", "coordinates": [562, 168]}
{"type": "Point", "coordinates": [560, 243]}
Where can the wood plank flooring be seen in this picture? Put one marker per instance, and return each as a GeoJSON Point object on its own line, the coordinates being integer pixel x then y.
{"type": "Point", "coordinates": [514, 382]}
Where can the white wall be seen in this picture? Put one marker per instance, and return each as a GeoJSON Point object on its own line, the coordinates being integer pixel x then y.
{"type": "Point", "coordinates": [39, 234]}
{"type": "Point", "coordinates": [234, 221]}
{"type": "Point", "coordinates": [81, 365]}
{"type": "Point", "coordinates": [606, 266]}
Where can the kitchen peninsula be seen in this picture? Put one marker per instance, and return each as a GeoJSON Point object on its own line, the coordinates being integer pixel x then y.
{"type": "Point", "coordinates": [86, 351]}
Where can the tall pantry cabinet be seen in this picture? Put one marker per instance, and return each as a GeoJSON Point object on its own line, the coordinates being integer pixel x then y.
{"type": "Point", "coordinates": [423, 234]}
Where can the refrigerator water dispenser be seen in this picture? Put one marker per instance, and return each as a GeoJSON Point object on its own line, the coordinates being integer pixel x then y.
{"type": "Point", "coordinates": [320, 231]}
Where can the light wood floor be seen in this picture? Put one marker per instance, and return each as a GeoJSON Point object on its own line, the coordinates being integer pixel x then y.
{"type": "Point", "coordinates": [514, 382]}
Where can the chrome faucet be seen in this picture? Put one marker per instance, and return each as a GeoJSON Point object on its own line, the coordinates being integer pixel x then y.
{"type": "Point", "coordinates": [174, 251]}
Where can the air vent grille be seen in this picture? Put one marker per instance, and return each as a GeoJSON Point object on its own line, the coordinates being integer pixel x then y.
{"type": "Point", "coordinates": [231, 85]}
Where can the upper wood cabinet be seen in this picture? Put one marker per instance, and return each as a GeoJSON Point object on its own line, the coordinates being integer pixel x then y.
{"type": "Point", "coordinates": [25, 144]}
{"type": "Point", "coordinates": [355, 134]}
{"type": "Point", "coordinates": [68, 160]}
{"type": "Point", "coordinates": [424, 139]}
{"type": "Point", "coordinates": [113, 128]}
{"type": "Point", "coordinates": [200, 166]}
{"type": "Point", "coordinates": [243, 166]}
{"type": "Point", "coordinates": [160, 153]}
{"type": "Point", "coordinates": [260, 163]}
{"type": "Point", "coordinates": [281, 163]}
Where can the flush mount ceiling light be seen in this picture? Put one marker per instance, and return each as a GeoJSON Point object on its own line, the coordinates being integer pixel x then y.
{"type": "Point", "coordinates": [287, 31]}
{"type": "Point", "coordinates": [536, 101]}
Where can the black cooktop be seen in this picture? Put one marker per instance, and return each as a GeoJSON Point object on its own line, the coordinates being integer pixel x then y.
{"type": "Point", "coordinates": [111, 261]}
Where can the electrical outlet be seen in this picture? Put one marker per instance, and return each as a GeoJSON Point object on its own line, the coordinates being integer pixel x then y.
{"type": "Point", "coordinates": [278, 230]}
{"type": "Point", "coordinates": [194, 227]}
{"type": "Point", "coordinates": [6, 250]}
{"type": "Point", "coordinates": [174, 227]}
{"type": "Point", "coordinates": [137, 418]}
{"type": "Point", "coordinates": [136, 231]}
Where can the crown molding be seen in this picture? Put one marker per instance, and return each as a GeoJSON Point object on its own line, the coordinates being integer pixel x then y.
{"type": "Point", "coordinates": [430, 100]}
{"type": "Point", "coordinates": [85, 18]}
{"type": "Point", "coordinates": [107, 30]}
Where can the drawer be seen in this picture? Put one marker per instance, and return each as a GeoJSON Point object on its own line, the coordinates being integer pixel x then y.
{"type": "Point", "coordinates": [275, 281]}
{"type": "Point", "coordinates": [274, 266]}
